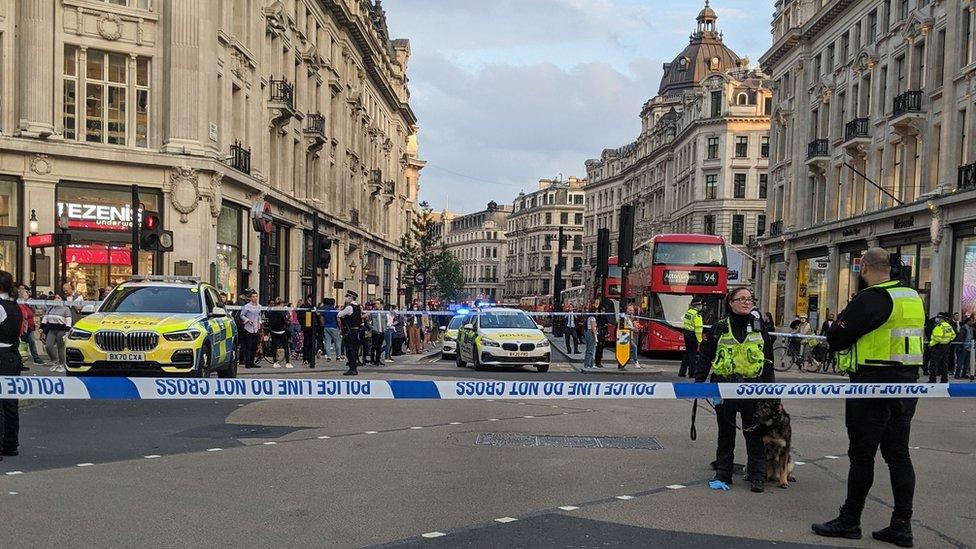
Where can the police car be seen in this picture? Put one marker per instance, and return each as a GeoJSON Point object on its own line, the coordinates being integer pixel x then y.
{"type": "Point", "coordinates": [155, 324]}
{"type": "Point", "coordinates": [449, 347]}
{"type": "Point", "coordinates": [502, 337]}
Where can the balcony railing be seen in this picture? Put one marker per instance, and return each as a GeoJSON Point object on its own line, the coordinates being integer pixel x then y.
{"type": "Point", "coordinates": [856, 129]}
{"type": "Point", "coordinates": [354, 216]}
{"type": "Point", "coordinates": [817, 147]}
{"type": "Point", "coordinates": [910, 101]}
{"type": "Point", "coordinates": [240, 158]}
{"type": "Point", "coordinates": [967, 177]}
{"type": "Point", "coordinates": [283, 92]}
{"type": "Point", "coordinates": [488, 279]}
{"type": "Point", "coordinates": [315, 123]}
{"type": "Point", "coordinates": [776, 228]}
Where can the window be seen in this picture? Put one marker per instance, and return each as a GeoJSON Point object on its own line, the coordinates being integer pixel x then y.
{"type": "Point", "coordinates": [886, 16]}
{"type": "Point", "coordinates": [564, 218]}
{"type": "Point", "coordinates": [711, 186]}
{"type": "Point", "coordinates": [967, 34]}
{"type": "Point", "coordinates": [738, 228]}
{"type": "Point", "coordinates": [902, 10]}
{"type": "Point", "coordinates": [141, 4]}
{"type": "Point", "coordinates": [712, 148]}
{"type": "Point", "coordinates": [764, 146]}
{"type": "Point", "coordinates": [741, 146]}
{"type": "Point", "coordinates": [763, 185]}
{"type": "Point", "coordinates": [768, 106]}
{"type": "Point", "coordinates": [709, 225]}
{"type": "Point", "coordinates": [900, 74]}
{"type": "Point", "coordinates": [739, 187]}
{"type": "Point", "coordinates": [940, 57]}
{"type": "Point", "coordinates": [872, 25]}
{"type": "Point", "coordinates": [548, 218]}
{"type": "Point", "coordinates": [741, 99]}
{"type": "Point", "coordinates": [830, 58]}
{"type": "Point", "coordinates": [107, 82]}
{"type": "Point", "coordinates": [760, 224]}
{"type": "Point", "coordinates": [578, 219]}
{"type": "Point", "coordinates": [716, 106]}
{"type": "Point", "coordinates": [845, 47]}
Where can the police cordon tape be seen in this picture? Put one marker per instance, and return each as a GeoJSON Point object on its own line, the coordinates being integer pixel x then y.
{"type": "Point", "coordinates": [124, 388]}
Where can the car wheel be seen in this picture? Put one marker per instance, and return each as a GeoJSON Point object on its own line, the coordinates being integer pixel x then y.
{"type": "Point", "coordinates": [230, 370]}
{"type": "Point", "coordinates": [204, 365]}
{"type": "Point", "coordinates": [457, 358]}
{"type": "Point", "coordinates": [542, 369]}
{"type": "Point", "coordinates": [478, 366]}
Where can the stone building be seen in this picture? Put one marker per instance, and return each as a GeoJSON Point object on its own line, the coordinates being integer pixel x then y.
{"type": "Point", "coordinates": [871, 146]}
{"type": "Point", "coordinates": [478, 241]}
{"type": "Point", "coordinates": [209, 108]}
{"type": "Point", "coordinates": [699, 164]}
{"type": "Point", "coordinates": [533, 239]}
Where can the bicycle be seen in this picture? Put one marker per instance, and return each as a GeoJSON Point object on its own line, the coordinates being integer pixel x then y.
{"type": "Point", "coordinates": [790, 354]}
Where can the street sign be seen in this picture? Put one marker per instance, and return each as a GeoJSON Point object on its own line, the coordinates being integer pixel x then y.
{"type": "Point", "coordinates": [623, 346]}
{"type": "Point", "coordinates": [420, 278]}
{"type": "Point", "coordinates": [48, 240]}
{"type": "Point", "coordinates": [261, 216]}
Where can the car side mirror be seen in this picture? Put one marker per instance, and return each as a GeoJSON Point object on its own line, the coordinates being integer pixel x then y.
{"type": "Point", "coordinates": [468, 326]}
{"type": "Point", "coordinates": [217, 312]}
{"type": "Point", "coordinates": [88, 309]}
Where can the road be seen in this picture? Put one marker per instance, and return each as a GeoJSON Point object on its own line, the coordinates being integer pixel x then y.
{"type": "Point", "coordinates": [448, 474]}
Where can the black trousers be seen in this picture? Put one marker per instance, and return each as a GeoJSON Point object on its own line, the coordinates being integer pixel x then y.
{"type": "Point", "coordinates": [884, 423]}
{"type": "Point", "coordinates": [939, 363]}
{"type": "Point", "coordinates": [351, 345]}
{"type": "Point", "coordinates": [280, 341]}
{"type": "Point", "coordinates": [570, 334]}
{"type": "Point", "coordinates": [725, 414]}
{"type": "Point", "coordinates": [10, 365]}
{"type": "Point", "coordinates": [376, 349]}
{"type": "Point", "coordinates": [249, 345]}
{"type": "Point", "coordinates": [690, 356]}
{"type": "Point", "coordinates": [311, 345]}
{"type": "Point", "coordinates": [600, 345]}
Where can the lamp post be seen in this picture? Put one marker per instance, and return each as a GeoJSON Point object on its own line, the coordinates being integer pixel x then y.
{"type": "Point", "coordinates": [63, 227]}
{"type": "Point", "coordinates": [365, 285]}
{"type": "Point", "coordinates": [33, 228]}
{"type": "Point", "coordinates": [352, 270]}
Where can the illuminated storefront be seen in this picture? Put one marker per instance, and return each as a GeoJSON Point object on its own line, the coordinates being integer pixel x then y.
{"type": "Point", "coordinates": [227, 271]}
{"type": "Point", "coordinates": [964, 270]}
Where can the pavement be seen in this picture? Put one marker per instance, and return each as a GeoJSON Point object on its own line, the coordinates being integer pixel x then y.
{"type": "Point", "coordinates": [448, 473]}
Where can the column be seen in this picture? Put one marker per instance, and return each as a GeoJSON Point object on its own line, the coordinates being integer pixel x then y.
{"type": "Point", "coordinates": [35, 45]}
{"type": "Point", "coordinates": [789, 300]}
{"type": "Point", "coordinates": [182, 77]}
{"type": "Point", "coordinates": [833, 271]}
{"type": "Point", "coordinates": [39, 195]}
{"type": "Point", "coordinates": [941, 269]}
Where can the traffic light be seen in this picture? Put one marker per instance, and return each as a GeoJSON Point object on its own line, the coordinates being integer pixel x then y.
{"type": "Point", "coordinates": [602, 253]}
{"type": "Point", "coordinates": [323, 252]}
{"type": "Point", "coordinates": [152, 237]}
{"type": "Point", "coordinates": [625, 238]}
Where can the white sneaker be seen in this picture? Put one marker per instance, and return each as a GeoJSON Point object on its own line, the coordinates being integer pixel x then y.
{"type": "Point", "coordinates": [54, 367]}
{"type": "Point", "coordinates": [289, 366]}
{"type": "Point", "coordinates": [637, 365]}
{"type": "Point", "coordinates": [59, 369]}
{"type": "Point", "coordinates": [389, 360]}
{"type": "Point", "coordinates": [276, 365]}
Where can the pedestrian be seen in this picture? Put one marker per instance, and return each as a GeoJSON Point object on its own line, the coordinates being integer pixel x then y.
{"type": "Point", "coordinates": [634, 334]}
{"type": "Point", "coordinates": [569, 332]}
{"type": "Point", "coordinates": [351, 318]}
{"type": "Point", "coordinates": [296, 342]}
{"type": "Point", "coordinates": [413, 330]}
{"type": "Point", "coordinates": [693, 333]}
{"type": "Point", "coordinates": [827, 324]}
{"type": "Point", "coordinates": [425, 328]}
{"type": "Point", "coordinates": [770, 325]}
{"type": "Point", "coordinates": [940, 349]}
{"type": "Point", "coordinates": [603, 331]}
{"type": "Point", "coordinates": [590, 335]}
{"type": "Point", "coordinates": [250, 318]}
{"type": "Point", "coordinates": [366, 338]}
{"type": "Point", "coordinates": [330, 330]}
{"type": "Point", "coordinates": [30, 326]}
{"type": "Point", "coordinates": [388, 334]}
{"type": "Point", "coordinates": [399, 334]}
{"type": "Point", "coordinates": [310, 327]}
{"type": "Point", "coordinates": [54, 326]}
{"type": "Point", "coordinates": [957, 348]}
{"type": "Point", "coordinates": [963, 348]}
{"type": "Point", "coordinates": [10, 364]}
{"type": "Point", "coordinates": [738, 349]}
{"type": "Point", "coordinates": [278, 325]}
{"type": "Point", "coordinates": [879, 336]}
{"type": "Point", "coordinates": [377, 325]}
{"type": "Point", "coordinates": [930, 325]}
{"type": "Point", "coordinates": [73, 300]}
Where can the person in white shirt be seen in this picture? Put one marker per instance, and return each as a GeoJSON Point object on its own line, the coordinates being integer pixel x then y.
{"type": "Point", "coordinates": [54, 326]}
{"type": "Point", "coordinates": [589, 335]}
{"type": "Point", "coordinates": [251, 322]}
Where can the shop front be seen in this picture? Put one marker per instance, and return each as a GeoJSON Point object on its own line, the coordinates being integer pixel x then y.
{"type": "Point", "coordinates": [915, 249]}
{"type": "Point", "coordinates": [849, 270]}
{"type": "Point", "coordinates": [227, 268]}
{"type": "Point", "coordinates": [777, 288]}
{"type": "Point", "coordinates": [10, 231]}
{"type": "Point", "coordinates": [964, 269]}
{"type": "Point", "coordinates": [100, 223]}
{"type": "Point", "coordinates": [811, 284]}
{"type": "Point", "coordinates": [275, 253]}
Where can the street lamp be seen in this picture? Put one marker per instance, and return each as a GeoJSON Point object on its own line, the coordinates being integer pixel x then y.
{"type": "Point", "coordinates": [365, 285]}
{"type": "Point", "coordinates": [63, 225]}
{"type": "Point", "coordinates": [33, 228]}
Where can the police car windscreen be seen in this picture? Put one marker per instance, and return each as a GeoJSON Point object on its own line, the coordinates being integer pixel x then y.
{"type": "Point", "coordinates": [152, 299]}
{"type": "Point", "coordinates": [455, 323]}
{"type": "Point", "coordinates": [508, 321]}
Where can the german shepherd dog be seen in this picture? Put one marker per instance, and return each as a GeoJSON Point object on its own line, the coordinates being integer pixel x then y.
{"type": "Point", "coordinates": [774, 424]}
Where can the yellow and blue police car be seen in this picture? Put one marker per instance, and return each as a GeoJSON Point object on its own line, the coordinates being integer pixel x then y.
{"type": "Point", "coordinates": [159, 325]}
{"type": "Point", "coordinates": [502, 337]}
{"type": "Point", "coordinates": [449, 347]}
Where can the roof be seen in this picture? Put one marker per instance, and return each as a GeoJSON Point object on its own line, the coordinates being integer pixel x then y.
{"type": "Point", "coordinates": [704, 55]}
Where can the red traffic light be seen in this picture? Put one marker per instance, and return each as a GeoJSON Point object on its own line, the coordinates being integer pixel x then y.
{"type": "Point", "coordinates": [150, 221]}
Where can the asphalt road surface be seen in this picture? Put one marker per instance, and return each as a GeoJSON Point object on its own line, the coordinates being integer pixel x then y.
{"type": "Point", "coordinates": [536, 474]}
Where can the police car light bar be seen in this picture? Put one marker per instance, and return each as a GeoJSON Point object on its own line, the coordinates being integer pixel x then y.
{"type": "Point", "coordinates": [165, 278]}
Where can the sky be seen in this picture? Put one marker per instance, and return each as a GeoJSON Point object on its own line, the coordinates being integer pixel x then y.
{"type": "Point", "coordinates": [508, 92]}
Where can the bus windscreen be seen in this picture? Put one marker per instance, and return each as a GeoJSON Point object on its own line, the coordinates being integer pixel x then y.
{"type": "Point", "coordinates": [698, 255]}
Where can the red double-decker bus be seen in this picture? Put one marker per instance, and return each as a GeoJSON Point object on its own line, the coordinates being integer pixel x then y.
{"type": "Point", "coordinates": [667, 275]}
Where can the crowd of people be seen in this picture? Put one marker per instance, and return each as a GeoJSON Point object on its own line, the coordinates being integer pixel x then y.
{"type": "Point", "coordinates": [44, 328]}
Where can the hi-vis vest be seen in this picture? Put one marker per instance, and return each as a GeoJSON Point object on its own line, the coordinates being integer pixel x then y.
{"type": "Point", "coordinates": [897, 342]}
{"type": "Point", "coordinates": [745, 359]}
{"type": "Point", "coordinates": [693, 323]}
{"type": "Point", "coordinates": [942, 334]}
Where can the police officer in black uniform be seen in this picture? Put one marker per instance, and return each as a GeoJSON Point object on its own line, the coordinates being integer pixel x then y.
{"type": "Point", "coordinates": [10, 363]}
{"type": "Point", "coordinates": [351, 318]}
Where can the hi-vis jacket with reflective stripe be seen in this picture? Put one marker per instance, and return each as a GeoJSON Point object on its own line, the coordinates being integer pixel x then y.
{"type": "Point", "coordinates": [897, 342]}
{"type": "Point", "coordinates": [942, 334]}
{"type": "Point", "coordinates": [744, 358]}
{"type": "Point", "coordinates": [693, 323]}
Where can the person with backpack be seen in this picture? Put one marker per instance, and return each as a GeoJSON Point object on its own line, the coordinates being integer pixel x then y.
{"type": "Point", "coordinates": [55, 325]}
{"type": "Point", "coordinates": [29, 326]}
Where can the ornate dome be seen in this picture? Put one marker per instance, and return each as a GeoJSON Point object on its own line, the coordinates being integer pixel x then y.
{"type": "Point", "coordinates": [704, 55]}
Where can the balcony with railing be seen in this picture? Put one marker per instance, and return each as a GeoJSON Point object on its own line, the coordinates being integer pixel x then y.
{"type": "Point", "coordinates": [818, 148]}
{"type": "Point", "coordinates": [282, 99]}
{"type": "Point", "coordinates": [240, 157]}
{"type": "Point", "coordinates": [906, 103]}
{"type": "Point", "coordinates": [776, 228]}
{"type": "Point", "coordinates": [856, 129]}
{"type": "Point", "coordinates": [967, 177]}
{"type": "Point", "coordinates": [315, 124]}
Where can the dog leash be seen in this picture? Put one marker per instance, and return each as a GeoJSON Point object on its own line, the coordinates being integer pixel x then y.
{"type": "Point", "coordinates": [694, 415]}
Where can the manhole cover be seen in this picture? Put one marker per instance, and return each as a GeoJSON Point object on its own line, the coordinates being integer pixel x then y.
{"type": "Point", "coordinates": [526, 440]}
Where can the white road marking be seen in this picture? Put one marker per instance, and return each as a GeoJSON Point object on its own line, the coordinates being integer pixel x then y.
{"type": "Point", "coordinates": [85, 464]}
{"type": "Point", "coordinates": [416, 428]}
{"type": "Point", "coordinates": [454, 423]}
{"type": "Point", "coordinates": [270, 443]}
{"type": "Point", "coordinates": [504, 520]}
{"type": "Point", "coordinates": [493, 419]}
{"type": "Point", "coordinates": [11, 493]}
{"type": "Point", "coordinates": [153, 456]}
{"type": "Point", "coordinates": [214, 449]}
{"type": "Point", "coordinates": [569, 507]}
{"type": "Point", "coordinates": [625, 498]}
{"type": "Point", "coordinates": [430, 535]}
{"type": "Point", "coordinates": [831, 457]}
{"type": "Point", "coordinates": [324, 437]}
{"type": "Point", "coordinates": [676, 486]}
{"type": "Point", "coordinates": [370, 433]}
{"type": "Point", "coordinates": [800, 462]}
{"type": "Point", "coordinates": [528, 417]}
{"type": "Point", "coordinates": [12, 473]}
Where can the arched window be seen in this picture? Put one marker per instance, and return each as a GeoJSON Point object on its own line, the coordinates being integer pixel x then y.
{"type": "Point", "coordinates": [742, 99]}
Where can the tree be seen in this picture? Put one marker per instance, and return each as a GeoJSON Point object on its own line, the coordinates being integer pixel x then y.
{"type": "Point", "coordinates": [421, 247]}
{"type": "Point", "coordinates": [449, 278]}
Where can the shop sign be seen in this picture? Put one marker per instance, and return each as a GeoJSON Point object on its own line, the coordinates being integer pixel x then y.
{"type": "Point", "coordinates": [48, 240]}
{"type": "Point", "coordinates": [96, 216]}
{"type": "Point", "coordinates": [98, 255]}
{"type": "Point", "coordinates": [821, 264]}
{"type": "Point", "coordinates": [904, 222]}
{"type": "Point", "coordinates": [856, 265]}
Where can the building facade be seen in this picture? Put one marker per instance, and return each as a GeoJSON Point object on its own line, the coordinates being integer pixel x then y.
{"type": "Point", "coordinates": [533, 239]}
{"type": "Point", "coordinates": [209, 108]}
{"type": "Point", "coordinates": [478, 241]}
{"type": "Point", "coordinates": [872, 146]}
{"type": "Point", "coordinates": [700, 162]}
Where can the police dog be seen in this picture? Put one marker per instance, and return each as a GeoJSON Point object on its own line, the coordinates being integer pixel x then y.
{"type": "Point", "coordinates": [774, 424]}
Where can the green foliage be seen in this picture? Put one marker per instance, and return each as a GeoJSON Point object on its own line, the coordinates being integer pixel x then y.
{"type": "Point", "coordinates": [421, 246]}
{"type": "Point", "coordinates": [449, 278]}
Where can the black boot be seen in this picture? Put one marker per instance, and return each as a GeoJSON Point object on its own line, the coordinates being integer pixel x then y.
{"type": "Point", "coordinates": [758, 486]}
{"type": "Point", "coordinates": [899, 533]}
{"type": "Point", "coordinates": [840, 527]}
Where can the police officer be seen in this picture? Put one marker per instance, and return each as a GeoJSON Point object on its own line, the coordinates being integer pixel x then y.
{"type": "Point", "coordinates": [352, 320]}
{"type": "Point", "coordinates": [879, 338]}
{"type": "Point", "coordinates": [737, 350]}
{"type": "Point", "coordinates": [939, 345]}
{"type": "Point", "coordinates": [10, 363]}
{"type": "Point", "coordinates": [693, 337]}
